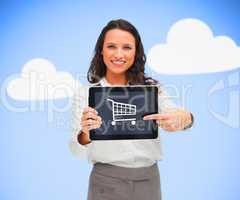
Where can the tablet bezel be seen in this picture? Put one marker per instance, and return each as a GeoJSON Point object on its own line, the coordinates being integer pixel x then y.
{"type": "Point", "coordinates": [91, 103]}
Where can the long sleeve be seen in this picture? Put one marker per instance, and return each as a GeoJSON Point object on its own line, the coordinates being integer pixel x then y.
{"type": "Point", "coordinates": [79, 102]}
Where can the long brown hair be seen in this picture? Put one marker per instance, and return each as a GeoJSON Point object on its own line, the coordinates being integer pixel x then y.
{"type": "Point", "coordinates": [135, 74]}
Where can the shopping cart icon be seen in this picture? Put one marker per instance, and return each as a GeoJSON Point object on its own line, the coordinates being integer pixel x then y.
{"type": "Point", "coordinates": [123, 112]}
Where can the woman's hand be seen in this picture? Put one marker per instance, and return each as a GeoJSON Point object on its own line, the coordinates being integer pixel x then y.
{"type": "Point", "coordinates": [171, 120]}
{"type": "Point", "coordinates": [90, 120]}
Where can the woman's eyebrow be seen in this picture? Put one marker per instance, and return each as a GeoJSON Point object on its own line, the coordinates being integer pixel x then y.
{"type": "Point", "coordinates": [125, 44]}
{"type": "Point", "coordinates": [107, 43]}
{"type": "Point", "coordinates": [128, 44]}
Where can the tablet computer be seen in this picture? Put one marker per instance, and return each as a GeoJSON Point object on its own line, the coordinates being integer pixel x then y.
{"type": "Point", "coordinates": [122, 110]}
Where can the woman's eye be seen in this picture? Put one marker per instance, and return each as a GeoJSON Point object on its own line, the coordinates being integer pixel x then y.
{"type": "Point", "coordinates": [127, 47]}
{"type": "Point", "coordinates": [110, 46]}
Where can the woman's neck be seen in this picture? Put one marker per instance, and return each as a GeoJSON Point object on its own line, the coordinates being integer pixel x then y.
{"type": "Point", "coordinates": [116, 79]}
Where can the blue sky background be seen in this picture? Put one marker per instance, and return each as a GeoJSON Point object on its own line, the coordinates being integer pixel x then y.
{"type": "Point", "coordinates": [35, 162]}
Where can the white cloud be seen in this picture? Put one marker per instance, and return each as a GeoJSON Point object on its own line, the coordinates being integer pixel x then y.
{"type": "Point", "coordinates": [39, 80]}
{"type": "Point", "coordinates": [191, 48]}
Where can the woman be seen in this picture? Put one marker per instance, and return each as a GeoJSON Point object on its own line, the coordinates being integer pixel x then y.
{"type": "Point", "coordinates": [125, 169]}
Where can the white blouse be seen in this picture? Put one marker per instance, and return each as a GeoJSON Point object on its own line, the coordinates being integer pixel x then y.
{"type": "Point", "coordinates": [124, 153]}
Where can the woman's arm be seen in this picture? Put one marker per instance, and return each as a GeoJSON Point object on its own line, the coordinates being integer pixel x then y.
{"type": "Point", "coordinates": [172, 117]}
{"type": "Point", "coordinates": [172, 120]}
{"type": "Point", "coordinates": [89, 120]}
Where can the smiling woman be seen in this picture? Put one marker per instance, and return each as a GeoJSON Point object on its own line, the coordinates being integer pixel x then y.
{"type": "Point", "coordinates": [118, 54]}
{"type": "Point", "coordinates": [123, 169]}
{"type": "Point", "coordinates": [119, 42]}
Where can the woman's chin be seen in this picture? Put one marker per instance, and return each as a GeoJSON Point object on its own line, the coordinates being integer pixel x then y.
{"type": "Point", "coordinates": [118, 70]}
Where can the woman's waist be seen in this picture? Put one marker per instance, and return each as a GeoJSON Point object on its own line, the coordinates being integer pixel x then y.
{"type": "Point", "coordinates": [139, 173]}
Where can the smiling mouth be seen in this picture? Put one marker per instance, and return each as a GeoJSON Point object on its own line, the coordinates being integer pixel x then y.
{"type": "Point", "coordinates": [118, 62]}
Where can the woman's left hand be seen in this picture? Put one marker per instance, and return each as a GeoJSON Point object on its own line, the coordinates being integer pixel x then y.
{"type": "Point", "coordinates": [171, 120]}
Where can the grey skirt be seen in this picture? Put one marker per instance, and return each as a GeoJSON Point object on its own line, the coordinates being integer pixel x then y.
{"type": "Point", "coordinates": [108, 182]}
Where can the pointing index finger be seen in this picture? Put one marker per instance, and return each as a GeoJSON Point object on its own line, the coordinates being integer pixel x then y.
{"type": "Point", "coordinates": [156, 117]}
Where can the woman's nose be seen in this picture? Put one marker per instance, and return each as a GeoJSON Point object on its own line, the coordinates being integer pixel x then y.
{"type": "Point", "coordinates": [118, 53]}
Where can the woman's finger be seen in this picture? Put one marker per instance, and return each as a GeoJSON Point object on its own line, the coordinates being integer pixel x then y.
{"type": "Point", "coordinates": [170, 128]}
{"type": "Point", "coordinates": [89, 115]}
{"type": "Point", "coordinates": [169, 125]}
{"type": "Point", "coordinates": [98, 120]}
{"type": "Point", "coordinates": [89, 109]}
{"type": "Point", "coordinates": [157, 117]}
{"type": "Point", "coordinates": [95, 126]}
{"type": "Point", "coordinates": [164, 123]}
{"type": "Point", "coordinates": [160, 123]}
{"type": "Point", "coordinates": [90, 126]}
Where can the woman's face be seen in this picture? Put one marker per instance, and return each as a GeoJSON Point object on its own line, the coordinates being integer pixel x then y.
{"type": "Point", "coordinates": [118, 51]}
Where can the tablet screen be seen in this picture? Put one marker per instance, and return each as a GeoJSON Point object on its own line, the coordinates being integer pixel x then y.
{"type": "Point", "coordinates": [122, 110]}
